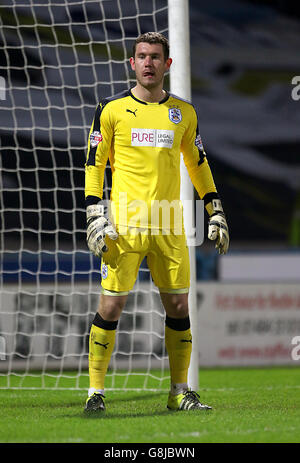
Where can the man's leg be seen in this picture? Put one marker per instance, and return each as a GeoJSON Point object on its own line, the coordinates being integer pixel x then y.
{"type": "Point", "coordinates": [178, 339]}
{"type": "Point", "coordinates": [101, 345]}
{"type": "Point", "coordinates": [119, 269]}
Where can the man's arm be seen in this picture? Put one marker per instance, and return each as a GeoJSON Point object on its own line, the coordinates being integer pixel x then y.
{"type": "Point", "coordinates": [201, 176]}
{"type": "Point", "coordinates": [99, 143]}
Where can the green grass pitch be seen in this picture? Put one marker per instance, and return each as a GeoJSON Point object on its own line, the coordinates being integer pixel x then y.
{"type": "Point", "coordinates": [250, 405]}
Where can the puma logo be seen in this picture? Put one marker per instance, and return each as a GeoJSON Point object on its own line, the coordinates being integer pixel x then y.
{"type": "Point", "coordinates": [103, 345]}
{"type": "Point", "coordinates": [132, 112]}
{"type": "Point", "coordinates": [186, 340]}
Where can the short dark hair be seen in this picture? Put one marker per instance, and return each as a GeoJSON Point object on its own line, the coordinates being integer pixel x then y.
{"type": "Point", "coordinates": [153, 37]}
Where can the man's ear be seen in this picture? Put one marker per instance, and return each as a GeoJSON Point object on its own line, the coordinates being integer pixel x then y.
{"type": "Point", "coordinates": [168, 63]}
{"type": "Point", "coordinates": [132, 63]}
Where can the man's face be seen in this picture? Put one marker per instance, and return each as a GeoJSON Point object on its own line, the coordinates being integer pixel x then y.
{"type": "Point", "coordinates": [149, 64]}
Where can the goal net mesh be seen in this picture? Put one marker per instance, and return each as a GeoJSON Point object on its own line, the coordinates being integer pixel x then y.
{"type": "Point", "coordinates": [58, 59]}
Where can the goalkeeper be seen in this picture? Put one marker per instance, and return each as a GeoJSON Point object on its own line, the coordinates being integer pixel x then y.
{"type": "Point", "coordinates": [142, 132]}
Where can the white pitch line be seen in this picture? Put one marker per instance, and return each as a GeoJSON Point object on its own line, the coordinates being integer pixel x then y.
{"type": "Point", "coordinates": [248, 389]}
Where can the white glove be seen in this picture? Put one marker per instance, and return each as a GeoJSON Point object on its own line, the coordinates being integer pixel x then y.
{"type": "Point", "coordinates": [217, 227]}
{"type": "Point", "coordinates": [97, 227]}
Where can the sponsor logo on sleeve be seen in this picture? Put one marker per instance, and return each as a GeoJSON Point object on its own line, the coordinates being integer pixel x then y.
{"type": "Point", "coordinates": [152, 137]}
{"type": "Point", "coordinates": [198, 143]}
{"type": "Point", "coordinates": [95, 139]}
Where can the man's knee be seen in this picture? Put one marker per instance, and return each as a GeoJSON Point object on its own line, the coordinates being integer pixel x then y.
{"type": "Point", "coordinates": [176, 305]}
{"type": "Point", "coordinates": [110, 307]}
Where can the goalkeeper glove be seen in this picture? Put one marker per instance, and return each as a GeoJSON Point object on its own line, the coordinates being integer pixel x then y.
{"type": "Point", "coordinates": [97, 227]}
{"type": "Point", "coordinates": [217, 226]}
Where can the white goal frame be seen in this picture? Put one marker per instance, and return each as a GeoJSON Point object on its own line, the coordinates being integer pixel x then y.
{"type": "Point", "coordinates": [180, 84]}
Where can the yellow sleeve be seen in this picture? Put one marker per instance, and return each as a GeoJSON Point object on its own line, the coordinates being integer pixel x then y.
{"type": "Point", "coordinates": [195, 159]}
{"type": "Point", "coordinates": [99, 146]}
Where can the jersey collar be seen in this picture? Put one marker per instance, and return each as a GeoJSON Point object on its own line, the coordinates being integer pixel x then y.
{"type": "Point", "coordinates": [145, 102]}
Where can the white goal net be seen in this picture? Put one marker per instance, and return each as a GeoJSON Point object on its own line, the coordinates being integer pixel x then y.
{"type": "Point", "coordinates": [58, 59]}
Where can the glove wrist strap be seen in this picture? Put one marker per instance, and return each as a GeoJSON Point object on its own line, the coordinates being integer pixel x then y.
{"type": "Point", "coordinates": [214, 207]}
{"type": "Point", "coordinates": [94, 211]}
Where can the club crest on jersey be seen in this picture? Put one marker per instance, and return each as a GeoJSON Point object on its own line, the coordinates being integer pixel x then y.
{"type": "Point", "coordinates": [104, 271]}
{"type": "Point", "coordinates": [95, 139]}
{"type": "Point", "coordinates": [175, 115]}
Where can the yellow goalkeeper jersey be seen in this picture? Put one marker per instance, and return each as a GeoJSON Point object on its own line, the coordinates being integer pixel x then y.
{"type": "Point", "coordinates": [143, 142]}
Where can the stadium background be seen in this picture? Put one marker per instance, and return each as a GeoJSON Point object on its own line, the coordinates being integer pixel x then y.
{"type": "Point", "coordinates": [244, 56]}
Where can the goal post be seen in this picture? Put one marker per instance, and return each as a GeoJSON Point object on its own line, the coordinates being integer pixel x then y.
{"type": "Point", "coordinates": [57, 60]}
{"type": "Point", "coordinates": [180, 85]}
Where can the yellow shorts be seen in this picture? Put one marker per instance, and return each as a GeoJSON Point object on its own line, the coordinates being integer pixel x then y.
{"type": "Point", "coordinates": [167, 259]}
